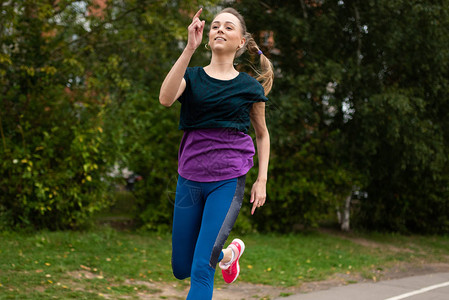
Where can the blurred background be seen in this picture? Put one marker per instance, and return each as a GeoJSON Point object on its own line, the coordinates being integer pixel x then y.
{"type": "Point", "coordinates": [358, 115]}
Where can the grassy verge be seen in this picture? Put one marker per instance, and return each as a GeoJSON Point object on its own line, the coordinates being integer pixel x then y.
{"type": "Point", "coordinates": [293, 259]}
{"type": "Point", "coordinates": [109, 264]}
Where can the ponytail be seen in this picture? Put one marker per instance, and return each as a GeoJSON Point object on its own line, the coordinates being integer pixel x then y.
{"type": "Point", "coordinates": [266, 75]}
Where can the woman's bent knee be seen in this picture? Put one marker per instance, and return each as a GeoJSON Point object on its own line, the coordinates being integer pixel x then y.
{"type": "Point", "coordinates": [180, 273]}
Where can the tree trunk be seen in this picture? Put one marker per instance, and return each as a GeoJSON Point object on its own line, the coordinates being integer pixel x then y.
{"type": "Point", "coordinates": [346, 213]}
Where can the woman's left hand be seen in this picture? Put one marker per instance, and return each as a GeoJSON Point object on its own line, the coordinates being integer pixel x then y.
{"type": "Point", "coordinates": [258, 194]}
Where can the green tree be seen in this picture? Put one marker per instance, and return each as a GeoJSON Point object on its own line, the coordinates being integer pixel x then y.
{"type": "Point", "coordinates": [79, 94]}
{"type": "Point", "coordinates": [399, 131]}
{"type": "Point", "coordinates": [359, 107]}
{"type": "Point", "coordinates": [52, 156]}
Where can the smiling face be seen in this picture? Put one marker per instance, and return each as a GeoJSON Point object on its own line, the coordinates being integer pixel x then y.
{"type": "Point", "coordinates": [226, 33]}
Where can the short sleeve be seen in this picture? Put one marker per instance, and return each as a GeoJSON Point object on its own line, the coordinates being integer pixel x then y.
{"type": "Point", "coordinates": [257, 93]}
{"type": "Point", "coordinates": [262, 97]}
{"type": "Point", "coordinates": [252, 89]}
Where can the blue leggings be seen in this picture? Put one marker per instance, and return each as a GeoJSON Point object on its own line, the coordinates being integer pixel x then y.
{"type": "Point", "coordinates": [204, 215]}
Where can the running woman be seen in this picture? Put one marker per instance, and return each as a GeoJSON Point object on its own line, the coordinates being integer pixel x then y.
{"type": "Point", "coordinates": [218, 103]}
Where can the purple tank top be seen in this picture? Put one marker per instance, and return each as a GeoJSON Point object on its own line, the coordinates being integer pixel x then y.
{"type": "Point", "coordinates": [215, 154]}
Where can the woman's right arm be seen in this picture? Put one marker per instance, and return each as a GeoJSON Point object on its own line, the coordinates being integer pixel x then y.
{"type": "Point", "coordinates": [174, 83]}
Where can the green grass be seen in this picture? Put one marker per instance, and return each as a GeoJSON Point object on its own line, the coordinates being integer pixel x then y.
{"type": "Point", "coordinates": [290, 260]}
{"type": "Point", "coordinates": [90, 265]}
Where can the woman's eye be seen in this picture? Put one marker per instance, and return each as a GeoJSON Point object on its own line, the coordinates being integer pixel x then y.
{"type": "Point", "coordinates": [229, 28]}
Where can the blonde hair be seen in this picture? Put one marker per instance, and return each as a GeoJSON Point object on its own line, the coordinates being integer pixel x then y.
{"type": "Point", "coordinates": [266, 75]}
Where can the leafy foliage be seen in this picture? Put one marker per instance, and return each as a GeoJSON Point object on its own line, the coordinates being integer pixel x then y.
{"type": "Point", "coordinates": [53, 156]}
{"type": "Point", "coordinates": [80, 82]}
{"type": "Point", "coordinates": [359, 106]}
{"type": "Point", "coordinates": [360, 102]}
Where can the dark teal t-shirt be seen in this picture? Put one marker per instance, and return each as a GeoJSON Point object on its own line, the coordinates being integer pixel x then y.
{"type": "Point", "coordinates": [212, 103]}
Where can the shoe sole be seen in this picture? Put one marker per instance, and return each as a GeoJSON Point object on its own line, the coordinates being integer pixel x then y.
{"type": "Point", "coordinates": [242, 249]}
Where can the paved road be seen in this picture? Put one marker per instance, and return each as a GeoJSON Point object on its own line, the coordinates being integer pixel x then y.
{"type": "Point", "coordinates": [427, 287]}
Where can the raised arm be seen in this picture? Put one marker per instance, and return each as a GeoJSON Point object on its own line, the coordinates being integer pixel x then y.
{"type": "Point", "coordinates": [174, 83]}
{"type": "Point", "coordinates": [258, 191]}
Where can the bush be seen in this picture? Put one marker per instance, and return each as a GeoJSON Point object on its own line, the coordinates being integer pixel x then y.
{"type": "Point", "coordinates": [53, 160]}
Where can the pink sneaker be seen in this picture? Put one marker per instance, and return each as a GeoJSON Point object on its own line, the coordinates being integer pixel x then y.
{"type": "Point", "coordinates": [232, 271]}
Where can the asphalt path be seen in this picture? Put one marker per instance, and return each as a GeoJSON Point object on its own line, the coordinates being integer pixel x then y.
{"type": "Point", "coordinates": [424, 287]}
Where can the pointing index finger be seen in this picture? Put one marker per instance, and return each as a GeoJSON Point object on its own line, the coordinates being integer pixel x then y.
{"type": "Point", "coordinates": [198, 13]}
